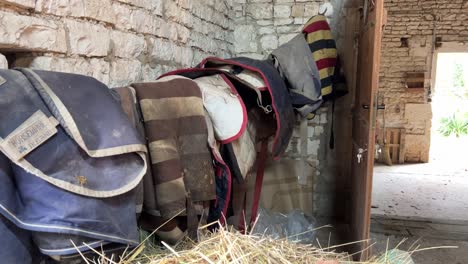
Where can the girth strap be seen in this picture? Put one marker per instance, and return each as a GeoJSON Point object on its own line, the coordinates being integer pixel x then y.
{"type": "Point", "coordinates": [261, 163]}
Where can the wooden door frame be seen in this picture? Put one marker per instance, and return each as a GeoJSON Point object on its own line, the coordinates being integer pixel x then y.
{"type": "Point", "coordinates": [362, 229]}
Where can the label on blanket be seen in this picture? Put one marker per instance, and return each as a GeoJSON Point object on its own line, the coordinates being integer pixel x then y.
{"type": "Point", "coordinates": [29, 135]}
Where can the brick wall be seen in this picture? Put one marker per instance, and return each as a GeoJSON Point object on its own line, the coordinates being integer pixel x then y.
{"type": "Point", "coordinates": [116, 41]}
{"type": "Point", "coordinates": [420, 22]}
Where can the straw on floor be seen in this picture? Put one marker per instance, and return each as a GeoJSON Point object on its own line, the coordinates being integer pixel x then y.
{"type": "Point", "coordinates": [231, 246]}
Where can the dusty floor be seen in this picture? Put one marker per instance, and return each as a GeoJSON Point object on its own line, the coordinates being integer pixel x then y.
{"type": "Point", "coordinates": [427, 204]}
{"type": "Point", "coordinates": [422, 191]}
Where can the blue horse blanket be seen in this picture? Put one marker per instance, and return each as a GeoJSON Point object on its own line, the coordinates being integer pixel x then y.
{"type": "Point", "coordinates": [69, 162]}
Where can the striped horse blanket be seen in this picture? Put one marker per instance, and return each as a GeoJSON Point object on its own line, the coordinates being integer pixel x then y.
{"type": "Point", "coordinates": [323, 47]}
{"type": "Point", "coordinates": [175, 127]}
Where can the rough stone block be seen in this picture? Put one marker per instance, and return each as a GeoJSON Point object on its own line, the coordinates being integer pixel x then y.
{"type": "Point", "coordinates": [418, 112]}
{"type": "Point", "coordinates": [269, 42]}
{"type": "Point", "coordinates": [127, 45]}
{"type": "Point", "coordinates": [88, 39]}
{"type": "Point", "coordinates": [31, 33]}
{"type": "Point", "coordinates": [281, 11]}
{"type": "Point", "coordinates": [260, 11]}
{"type": "Point", "coordinates": [245, 37]}
{"type": "Point", "coordinates": [161, 50]}
{"type": "Point", "coordinates": [172, 11]}
{"type": "Point", "coordinates": [143, 21]}
{"type": "Point", "coordinates": [187, 4]}
{"type": "Point", "coordinates": [310, 131]}
{"type": "Point", "coordinates": [318, 130]}
{"type": "Point", "coordinates": [313, 147]}
{"type": "Point", "coordinates": [165, 29]}
{"type": "Point", "coordinates": [283, 21]}
{"type": "Point", "coordinates": [123, 14]}
{"type": "Point", "coordinates": [156, 6]}
{"type": "Point", "coordinates": [22, 3]}
{"type": "Point", "coordinates": [96, 9]}
{"type": "Point", "coordinates": [124, 72]}
{"type": "Point", "coordinates": [298, 10]}
{"type": "Point", "coordinates": [264, 22]}
{"type": "Point", "coordinates": [300, 21]}
{"type": "Point", "coordinates": [97, 68]}
{"type": "Point", "coordinates": [266, 30]}
{"type": "Point", "coordinates": [311, 9]}
{"type": "Point", "coordinates": [417, 148]}
{"type": "Point", "coordinates": [183, 56]}
{"type": "Point", "coordinates": [60, 8]}
{"type": "Point", "coordinates": [151, 73]}
{"type": "Point", "coordinates": [100, 10]}
{"type": "Point", "coordinates": [288, 29]}
{"type": "Point", "coordinates": [323, 118]}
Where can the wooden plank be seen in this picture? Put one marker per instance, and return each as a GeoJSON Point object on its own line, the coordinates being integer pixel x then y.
{"type": "Point", "coordinates": [415, 79]}
{"type": "Point", "coordinates": [415, 90]}
{"type": "Point", "coordinates": [395, 140]}
{"type": "Point", "coordinates": [401, 156]}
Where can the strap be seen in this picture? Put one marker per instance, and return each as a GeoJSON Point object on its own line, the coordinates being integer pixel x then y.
{"type": "Point", "coordinates": [259, 180]}
{"type": "Point", "coordinates": [192, 219]}
{"type": "Point", "coordinates": [261, 163]}
{"type": "Point", "coordinates": [239, 203]}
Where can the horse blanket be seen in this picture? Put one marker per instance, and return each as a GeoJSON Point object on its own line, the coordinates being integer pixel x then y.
{"type": "Point", "coordinates": [274, 98]}
{"type": "Point", "coordinates": [300, 72]}
{"type": "Point", "coordinates": [69, 162]}
{"type": "Point", "coordinates": [175, 127]}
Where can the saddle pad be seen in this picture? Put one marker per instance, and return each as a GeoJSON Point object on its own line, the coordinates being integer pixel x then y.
{"type": "Point", "coordinates": [276, 101]}
{"type": "Point", "coordinates": [244, 150]}
{"type": "Point", "coordinates": [219, 207]}
{"type": "Point", "coordinates": [225, 107]}
{"type": "Point", "coordinates": [252, 78]}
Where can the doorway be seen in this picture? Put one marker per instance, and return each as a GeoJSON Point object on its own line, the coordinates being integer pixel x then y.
{"type": "Point", "coordinates": [428, 202]}
{"type": "Point", "coordinates": [449, 139]}
{"type": "Point", "coordinates": [433, 191]}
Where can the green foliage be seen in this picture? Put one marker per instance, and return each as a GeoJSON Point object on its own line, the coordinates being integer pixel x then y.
{"type": "Point", "coordinates": [458, 80]}
{"type": "Point", "coordinates": [456, 124]}
{"type": "Point", "coordinates": [460, 89]}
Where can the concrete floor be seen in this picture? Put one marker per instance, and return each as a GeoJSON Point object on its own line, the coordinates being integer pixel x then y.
{"type": "Point", "coordinates": [421, 191]}
{"type": "Point", "coordinates": [427, 204]}
{"type": "Point", "coordinates": [388, 234]}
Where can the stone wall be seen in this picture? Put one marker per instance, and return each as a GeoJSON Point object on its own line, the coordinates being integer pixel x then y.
{"type": "Point", "coordinates": [412, 29]}
{"type": "Point", "coordinates": [116, 41]}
